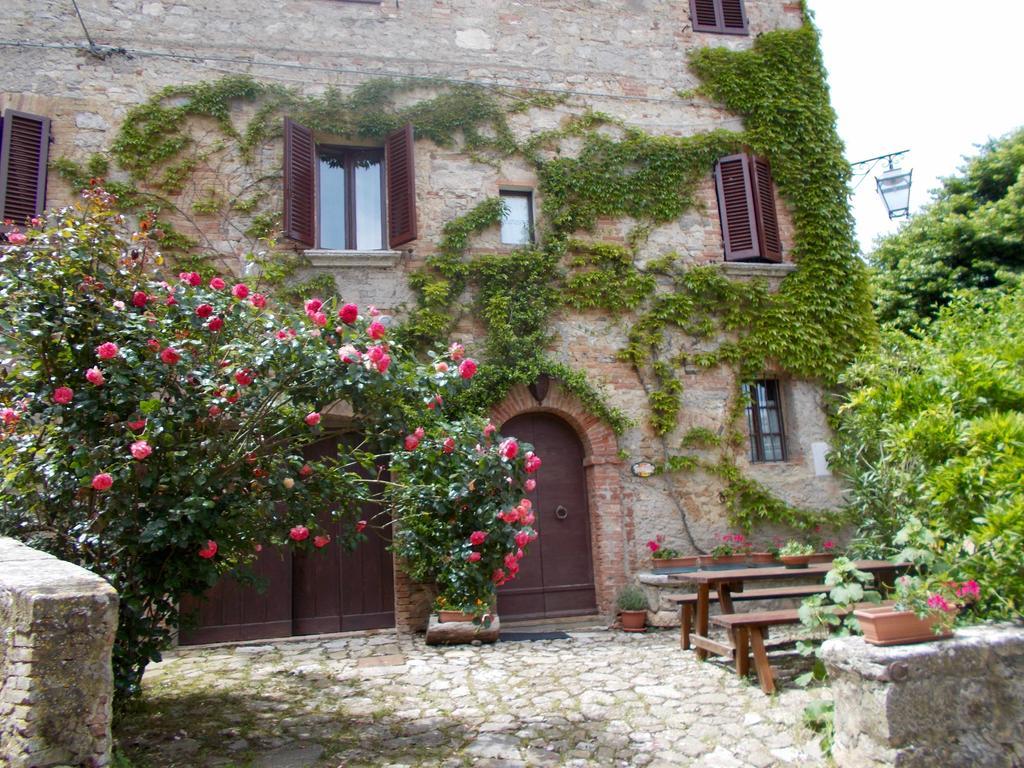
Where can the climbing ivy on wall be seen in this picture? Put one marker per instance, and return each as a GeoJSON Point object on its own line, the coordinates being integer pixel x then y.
{"type": "Point", "coordinates": [811, 327]}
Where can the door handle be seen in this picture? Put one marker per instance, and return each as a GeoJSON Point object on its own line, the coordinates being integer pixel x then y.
{"type": "Point", "coordinates": [561, 512]}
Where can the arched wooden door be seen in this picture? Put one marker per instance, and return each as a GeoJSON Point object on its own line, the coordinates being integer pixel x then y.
{"type": "Point", "coordinates": [556, 577]}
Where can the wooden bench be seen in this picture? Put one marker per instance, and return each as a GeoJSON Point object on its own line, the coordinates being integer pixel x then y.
{"type": "Point", "coordinates": [748, 632]}
{"type": "Point", "coordinates": [687, 603]}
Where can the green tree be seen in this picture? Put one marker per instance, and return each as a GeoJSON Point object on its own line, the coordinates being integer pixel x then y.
{"type": "Point", "coordinates": [971, 236]}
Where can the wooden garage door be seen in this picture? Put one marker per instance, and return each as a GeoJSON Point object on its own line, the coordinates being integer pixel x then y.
{"type": "Point", "coordinates": [556, 577]}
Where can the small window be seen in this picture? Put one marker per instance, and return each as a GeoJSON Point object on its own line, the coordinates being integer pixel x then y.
{"type": "Point", "coordinates": [764, 421]}
{"type": "Point", "coordinates": [351, 200]}
{"type": "Point", "coordinates": [726, 17]}
{"type": "Point", "coordinates": [517, 219]}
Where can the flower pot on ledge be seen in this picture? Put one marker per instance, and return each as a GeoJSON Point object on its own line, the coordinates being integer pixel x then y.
{"type": "Point", "coordinates": [884, 625]}
{"type": "Point", "coordinates": [673, 562]}
{"type": "Point", "coordinates": [795, 561]}
{"type": "Point", "coordinates": [734, 560]}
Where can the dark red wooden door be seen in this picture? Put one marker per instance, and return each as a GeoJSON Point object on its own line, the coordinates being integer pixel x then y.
{"type": "Point", "coordinates": [329, 590]}
{"type": "Point", "coordinates": [556, 577]}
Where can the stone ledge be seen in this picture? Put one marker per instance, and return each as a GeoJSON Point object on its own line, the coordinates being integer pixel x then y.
{"type": "Point", "coordinates": [753, 269]}
{"type": "Point", "coordinates": [320, 258]}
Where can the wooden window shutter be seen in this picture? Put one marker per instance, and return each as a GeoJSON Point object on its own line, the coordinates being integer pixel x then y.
{"type": "Point", "coordinates": [24, 147]}
{"type": "Point", "coordinates": [400, 168]}
{"type": "Point", "coordinates": [299, 183]}
{"type": "Point", "coordinates": [703, 16]}
{"type": "Point", "coordinates": [736, 208]}
{"type": "Point", "coordinates": [764, 206]}
{"type": "Point", "coordinates": [734, 17]}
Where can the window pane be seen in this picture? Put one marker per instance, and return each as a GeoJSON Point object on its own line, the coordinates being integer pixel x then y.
{"type": "Point", "coordinates": [369, 205]}
{"type": "Point", "coordinates": [773, 448]}
{"type": "Point", "coordinates": [332, 202]}
{"type": "Point", "coordinates": [515, 223]}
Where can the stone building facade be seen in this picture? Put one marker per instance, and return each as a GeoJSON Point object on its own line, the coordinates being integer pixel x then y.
{"type": "Point", "coordinates": [626, 59]}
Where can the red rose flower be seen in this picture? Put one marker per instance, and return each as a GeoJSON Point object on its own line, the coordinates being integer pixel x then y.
{"type": "Point", "coordinates": [209, 550]}
{"type": "Point", "coordinates": [153, 344]}
{"type": "Point", "coordinates": [376, 330]}
{"type": "Point", "coordinates": [474, 557]}
{"type": "Point", "coordinates": [258, 300]}
{"type": "Point", "coordinates": [102, 481]}
{"type": "Point", "coordinates": [476, 538]}
{"type": "Point", "coordinates": [204, 310]}
{"type": "Point", "coordinates": [244, 378]}
{"type": "Point", "coordinates": [383, 363]}
{"type": "Point", "coordinates": [360, 526]}
{"type": "Point", "coordinates": [139, 299]}
{"type": "Point", "coordinates": [449, 445]}
{"type": "Point", "coordinates": [299, 533]}
{"type": "Point", "coordinates": [170, 356]}
{"type": "Point", "coordinates": [306, 471]}
{"type": "Point", "coordinates": [348, 314]}
{"type": "Point", "coordinates": [509, 448]}
{"type": "Point", "coordinates": [522, 539]}
{"type": "Point", "coordinates": [215, 324]}
{"type": "Point", "coordinates": [313, 306]}
{"type": "Point", "coordinates": [467, 368]}
{"type": "Point", "coordinates": [321, 541]}
{"type": "Point", "coordinates": [240, 290]}
{"type": "Point", "coordinates": [63, 395]}
{"type": "Point", "coordinates": [312, 419]}
{"type": "Point", "coordinates": [217, 284]}
{"type": "Point", "coordinates": [107, 350]}
{"type": "Point", "coordinates": [137, 426]}
{"type": "Point", "coordinates": [411, 442]}
{"type": "Point", "coordinates": [532, 462]}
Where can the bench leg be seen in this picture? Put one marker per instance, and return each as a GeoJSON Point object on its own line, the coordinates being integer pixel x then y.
{"type": "Point", "coordinates": [685, 625]}
{"type": "Point", "coordinates": [742, 652]}
{"type": "Point", "coordinates": [703, 599]}
{"type": "Point", "coordinates": [764, 669]}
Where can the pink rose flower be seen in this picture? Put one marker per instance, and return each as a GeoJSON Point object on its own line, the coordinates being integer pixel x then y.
{"type": "Point", "coordinates": [522, 539]}
{"type": "Point", "coordinates": [170, 356]}
{"type": "Point", "coordinates": [509, 515]}
{"type": "Point", "coordinates": [509, 448]}
{"type": "Point", "coordinates": [214, 411]}
{"type": "Point", "coordinates": [360, 526]}
{"type": "Point", "coordinates": [467, 368]}
{"type": "Point", "coordinates": [215, 324]}
{"type": "Point", "coordinates": [102, 481]}
{"type": "Point", "coordinates": [498, 577]}
{"type": "Point", "coordinates": [530, 484]}
{"type": "Point", "coordinates": [383, 363]}
{"type": "Point", "coordinates": [474, 557]}
{"type": "Point", "coordinates": [348, 314]}
{"type": "Point", "coordinates": [441, 367]}
{"type": "Point", "coordinates": [209, 550]}
{"type": "Point", "coordinates": [456, 351]}
{"type": "Point", "coordinates": [240, 290]}
{"type": "Point", "coordinates": [217, 284]}
{"type": "Point", "coordinates": [372, 311]}
{"type": "Point", "coordinates": [411, 442]}
{"type": "Point", "coordinates": [312, 419]}
{"type": "Point", "coordinates": [376, 330]}
{"type": "Point", "coordinates": [63, 395]}
{"type": "Point", "coordinates": [375, 354]}
{"type": "Point", "coordinates": [107, 350]}
{"type": "Point", "coordinates": [299, 533]}
{"type": "Point", "coordinates": [258, 300]}
{"type": "Point", "coordinates": [139, 299]}
{"type": "Point", "coordinates": [141, 450]}
{"type": "Point", "coordinates": [476, 538]}
{"type": "Point", "coordinates": [16, 238]}
{"type": "Point", "coordinates": [449, 445]}
{"type": "Point", "coordinates": [321, 541]}
{"type": "Point", "coordinates": [319, 318]}
{"type": "Point", "coordinates": [95, 376]}
{"type": "Point", "coordinates": [349, 354]}
{"type": "Point", "coordinates": [490, 429]}
{"type": "Point", "coordinates": [153, 344]}
{"type": "Point", "coordinates": [9, 416]}
{"type": "Point", "coordinates": [313, 306]}
{"type": "Point", "coordinates": [204, 311]}
{"type": "Point", "coordinates": [243, 377]}
{"type": "Point", "coordinates": [192, 278]}
{"type": "Point", "coordinates": [532, 463]}
{"type": "Point", "coordinates": [419, 432]}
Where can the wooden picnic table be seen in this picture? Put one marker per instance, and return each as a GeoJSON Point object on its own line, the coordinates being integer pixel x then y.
{"type": "Point", "coordinates": [728, 580]}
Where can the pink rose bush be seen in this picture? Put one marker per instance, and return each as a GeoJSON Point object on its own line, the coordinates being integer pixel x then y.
{"type": "Point", "coordinates": [193, 448]}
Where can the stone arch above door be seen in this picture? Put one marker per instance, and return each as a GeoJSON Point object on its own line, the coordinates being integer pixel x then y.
{"type": "Point", "coordinates": [611, 526]}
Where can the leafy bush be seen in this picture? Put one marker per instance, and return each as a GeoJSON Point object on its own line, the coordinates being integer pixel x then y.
{"type": "Point", "coordinates": [632, 598]}
{"type": "Point", "coordinates": [153, 427]}
{"type": "Point", "coordinates": [933, 429]}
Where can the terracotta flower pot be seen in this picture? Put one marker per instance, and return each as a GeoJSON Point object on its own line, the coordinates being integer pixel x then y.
{"type": "Point", "coordinates": [822, 557]}
{"type": "Point", "coordinates": [708, 560]}
{"type": "Point", "coordinates": [633, 621]}
{"type": "Point", "coordinates": [673, 562]}
{"type": "Point", "coordinates": [446, 616]}
{"type": "Point", "coordinates": [795, 561]}
{"type": "Point", "coordinates": [884, 625]}
{"type": "Point", "coordinates": [761, 558]}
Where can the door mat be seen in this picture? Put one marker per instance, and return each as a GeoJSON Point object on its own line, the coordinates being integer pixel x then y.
{"type": "Point", "coordinates": [514, 637]}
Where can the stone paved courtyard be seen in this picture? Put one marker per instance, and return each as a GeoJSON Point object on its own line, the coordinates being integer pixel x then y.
{"type": "Point", "coordinates": [597, 698]}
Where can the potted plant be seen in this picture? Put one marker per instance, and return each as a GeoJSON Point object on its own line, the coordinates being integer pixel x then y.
{"type": "Point", "coordinates": [796, 554]}
{"type": "Point", "coordinates": [733, 549]}
{"type": "Point", "coordinates": [925, 609]}
{"type": "Point", "coordinates": [632, 608]}
{"type": "Point", "coordinates": [665, 557]}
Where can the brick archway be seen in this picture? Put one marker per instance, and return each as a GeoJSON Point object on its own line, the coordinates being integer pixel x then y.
{"type": "Point", "coordinates": [609, 526]}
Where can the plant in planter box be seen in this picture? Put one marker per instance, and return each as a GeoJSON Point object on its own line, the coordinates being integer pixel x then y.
{"type": "Point", "coordinates": [796, 554]}
{"type": "Point", "coordinates": [632, 604]}
{"type": "Point", "coordinates": [658, 549]}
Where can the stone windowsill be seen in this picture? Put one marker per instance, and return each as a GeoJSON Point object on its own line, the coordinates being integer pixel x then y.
{"type": "Point", "coordinates": [323, 258]}
{"type": "Point", "coordinates": [745, 269]}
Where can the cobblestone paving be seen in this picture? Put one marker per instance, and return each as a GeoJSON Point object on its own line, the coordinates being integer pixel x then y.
{"type": "Point", "coordinates": [599, 698]}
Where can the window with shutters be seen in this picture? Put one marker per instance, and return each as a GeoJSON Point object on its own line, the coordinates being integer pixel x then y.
{"type": "Point", "coordinates": [726, 17]}
{"type": "Point", "coordinates": [746, 208]}
{"type": "Point", "coordinates": [764, 421]}
{"type": "Point", "coordinates": [517, 217]}
{"type": "Point", "coordinates": [24, 147]}
{"type": "Point", "coordinates": [349, 198]}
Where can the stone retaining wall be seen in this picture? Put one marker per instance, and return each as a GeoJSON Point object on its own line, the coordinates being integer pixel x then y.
{"type": "Point", "coordinates": [956, 702]}
{"type": "Point", "coordinates": [57, 624]}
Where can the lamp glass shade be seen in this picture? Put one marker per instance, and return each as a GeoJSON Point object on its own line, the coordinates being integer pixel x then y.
{"type": "Point", "coordinates": [894, 187]}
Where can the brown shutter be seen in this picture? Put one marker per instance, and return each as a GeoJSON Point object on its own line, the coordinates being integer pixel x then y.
{"type": "Point", "coordinates": [24, 146]}
{"type": "Point", "coordinates": [703, 16]}
{"type": "Point", "coordinates": [299, 183]}
{"type": "Point", "coordinates": [764, 205]}
{"type": "Point", "coordinates": [734, 17]}
{"type": "Point", "coordinates": [736, 208]}
{"type": "Point", "coordinates": [400, 167]}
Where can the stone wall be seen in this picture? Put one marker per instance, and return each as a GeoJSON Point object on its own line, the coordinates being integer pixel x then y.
{"type": "Point", "coordinates": [957, 702]}
{"type": "Point", "coordinates": [57, 624]}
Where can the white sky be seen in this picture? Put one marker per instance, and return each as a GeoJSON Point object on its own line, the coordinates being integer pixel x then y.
{"type": "Point", "coordinates": [936, 77]}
